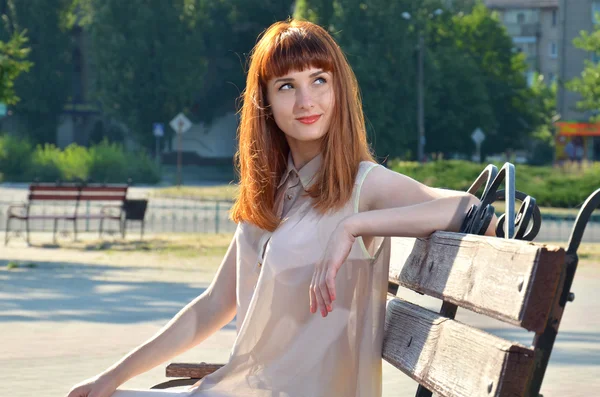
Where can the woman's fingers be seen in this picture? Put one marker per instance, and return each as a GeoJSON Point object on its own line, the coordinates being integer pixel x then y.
{"type": "Point", "coordinates": [320, 302]}
{"type": "Point", "coordinates": [311, 295]}
{"type": "Point", "coordinates": [330, 281]}
{"type": "Point", "coordinates": [324, 289]}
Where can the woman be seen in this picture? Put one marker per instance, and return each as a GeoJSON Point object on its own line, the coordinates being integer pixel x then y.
{"type": "Point", "coordinates": [311, 201]}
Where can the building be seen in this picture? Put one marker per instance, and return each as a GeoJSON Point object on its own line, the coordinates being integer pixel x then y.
{"type": "Point", "coordinates": [534, 28]}
{"type": "Point", "coordinates": [575, 16]}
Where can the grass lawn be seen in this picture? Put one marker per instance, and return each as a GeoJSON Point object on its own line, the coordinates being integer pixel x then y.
{"type": "Point", "coordinates": [209, 193]}
{"type": "Point", "coordinates": [228, 192]}
{"type": "Point", "coordinates": [183, 245]}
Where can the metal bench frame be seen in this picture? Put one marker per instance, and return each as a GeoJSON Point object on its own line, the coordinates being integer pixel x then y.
{"type": "Point", "coordinates": [76, 193]}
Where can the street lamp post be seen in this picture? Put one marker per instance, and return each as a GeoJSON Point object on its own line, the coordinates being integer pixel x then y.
{"type": "Point", "coordinates": [421, 87]}
{"type": "Point", "coordinates": [421, 101]}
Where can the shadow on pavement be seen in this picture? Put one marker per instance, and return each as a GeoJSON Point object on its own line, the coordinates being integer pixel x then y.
{"type": "Point", "coordinates": [54, 291]}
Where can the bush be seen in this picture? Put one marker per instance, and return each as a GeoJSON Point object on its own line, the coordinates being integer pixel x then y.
{"type": "Point", "coordinates": [15, 158]}
{"type": "Point", "coordinates": [111, 164]}
{"type": "Point", "coordinates": [551, 187]}
{"type": "Point", "coordinates": [104, 163]}
{"type": "Point", "coordinates": [45, 164]}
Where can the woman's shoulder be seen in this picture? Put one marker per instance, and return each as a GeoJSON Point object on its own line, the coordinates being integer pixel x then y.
{"type": "Point", "coordinates": [365, 167]}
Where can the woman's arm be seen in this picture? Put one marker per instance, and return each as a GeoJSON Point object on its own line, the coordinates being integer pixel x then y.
{"type": "Point", "coordinates": [417, 220]}
{"type": "Point", "coordinates": [202, 317]}
{"type": "Point", "coordinates": [390, 204]}
{"type": "Point", "coordinates": [428, 209]}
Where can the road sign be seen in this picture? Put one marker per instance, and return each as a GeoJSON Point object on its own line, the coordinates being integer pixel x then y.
{"type": "Point", "coordinates": [158, 129]}
{"type": "Point", "coordinates": [478, 136]}
{"type": "Point", "coordinates": [180, 123]}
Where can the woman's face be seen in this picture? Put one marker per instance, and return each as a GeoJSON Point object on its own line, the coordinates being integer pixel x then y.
{"type": "Point", "coordinates": [302, 103]}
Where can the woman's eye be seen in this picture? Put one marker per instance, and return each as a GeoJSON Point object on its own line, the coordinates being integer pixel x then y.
{"type": "Point", "coordinates": [285, 86]}
{"type": "Point", "coordinates": [320, 80]}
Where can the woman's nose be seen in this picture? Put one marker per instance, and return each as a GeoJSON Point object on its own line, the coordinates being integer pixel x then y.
{"type": "Point", "coordinates": [304, 99]}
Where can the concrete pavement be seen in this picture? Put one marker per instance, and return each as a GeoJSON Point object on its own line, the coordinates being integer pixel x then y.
{"type": "Point", "coordinates": [75, 313]}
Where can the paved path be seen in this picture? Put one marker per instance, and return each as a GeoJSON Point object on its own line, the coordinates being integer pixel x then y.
{"type": "Point", "coordinates": [76, 313]}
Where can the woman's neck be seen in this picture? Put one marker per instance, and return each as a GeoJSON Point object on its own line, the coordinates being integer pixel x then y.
{"type": "Point", "coordinates": [303, 152]}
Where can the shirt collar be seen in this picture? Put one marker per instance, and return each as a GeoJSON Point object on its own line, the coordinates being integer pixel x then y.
{"type": "Point", "coordinates": [307, 173]}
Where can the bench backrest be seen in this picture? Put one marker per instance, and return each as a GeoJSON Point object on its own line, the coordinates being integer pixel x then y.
{"type": "Point", "coordinates": [52, 192]}
{"type": "Point", "coordinates": [514, 281]}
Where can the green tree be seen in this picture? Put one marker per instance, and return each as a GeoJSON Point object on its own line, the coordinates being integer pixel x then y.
{"type": "Point", "coordinates": [13, 62]}
{"type": "Point", "coordinates": [588, 83]}
{"type": "Point", "coordinates": [472, 76]}
{"type": "Point", "coordinates": [381, 51]}
{"type": "Point", "coordinates": [183, 55]}
{"type": "Point", "coordinates": [46, 88]}
{"type": "Point", "coordinates": [481, 35]}
{"type": "Point", "coordinates": [316, 11]}
{"type": "Point", "coordinates": [542, 148]}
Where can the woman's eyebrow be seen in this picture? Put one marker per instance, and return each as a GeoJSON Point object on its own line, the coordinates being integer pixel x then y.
{"type": "Point", "coordinates": [318, 72]}
{"type": "Point", "coordinates": [283, 80]}
{"type": "Point", "coordinates": [289, 79]}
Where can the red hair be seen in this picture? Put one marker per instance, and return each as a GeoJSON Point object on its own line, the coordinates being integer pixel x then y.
{"type": "Point", "coordinates": [263, 150]}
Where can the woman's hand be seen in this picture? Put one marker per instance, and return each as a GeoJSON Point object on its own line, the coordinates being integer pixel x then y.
{"type": "Point", "coordinates": [99, 386]}
{"type": "Point", "coordinates": [322, 286]}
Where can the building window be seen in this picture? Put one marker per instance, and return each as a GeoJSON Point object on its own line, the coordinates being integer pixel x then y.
{"type": "Point", "coordinates": [554, 17]}
{"type": "Point", "coordinates": [520, 18]}
{"type": "Point", "coordinates": [553, 49]}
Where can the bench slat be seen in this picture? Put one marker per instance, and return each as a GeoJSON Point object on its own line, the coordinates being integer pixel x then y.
{"type": "Point", "coordinates": [196, 371]}
{"type": "Point", "coordinates": [113, 189]}
{"type": "Point", "coordinates": [451, 358]}
{"type": "Point", "coordinates": [102, 197]}
{"type": "Point", "coordinates": [54, 197]}
{"type": "Point", "coordinates": [53, 188]}
{"type": "Point", "coordinates": [513, 281]}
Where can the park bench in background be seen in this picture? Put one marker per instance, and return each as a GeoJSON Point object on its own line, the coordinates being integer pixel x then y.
{"type": "Point", "coordinates": [115, 197]}
{"type": "Point", "coordinates": [519, 282]}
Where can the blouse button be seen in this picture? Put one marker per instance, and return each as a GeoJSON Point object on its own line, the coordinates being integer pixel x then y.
{"type": "Point", "coordinates": [259, 264]}
{"type": "Point", "coordinates": [289, 196]}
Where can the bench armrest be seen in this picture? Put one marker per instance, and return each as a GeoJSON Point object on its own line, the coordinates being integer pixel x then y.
{"type": "Point", "coordinates": [17, 209]}
{"type": "Point", "coordinates": [196, 371]}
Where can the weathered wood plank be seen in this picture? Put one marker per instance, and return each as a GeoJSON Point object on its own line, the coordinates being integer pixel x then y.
{"type": "Point", "coordinates": [450, 358]}
{"type": "Point", "coordinates": [514, 281]}
{"type": "Point", "coordinates": [196, 371]}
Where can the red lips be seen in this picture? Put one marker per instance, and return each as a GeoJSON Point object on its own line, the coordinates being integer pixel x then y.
{"type": "Point", "coordinates": [309, 119]}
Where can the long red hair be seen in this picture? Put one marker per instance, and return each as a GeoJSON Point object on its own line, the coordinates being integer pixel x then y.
{"type": "Point", "coordinates": [263, 150]}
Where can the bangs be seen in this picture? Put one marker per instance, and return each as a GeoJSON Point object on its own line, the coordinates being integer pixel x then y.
{"type": "Point", "coordinates": [294, 49]}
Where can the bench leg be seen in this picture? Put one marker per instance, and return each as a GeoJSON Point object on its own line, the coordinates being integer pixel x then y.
{"type": "Point", "coordinates": [100, 228]}
{"type": "Point", "coordinates": [7, 231]}
{"type": "Point", "coordinates": [74, 229]}
{"type": "Point", "coordinates": [422, 391]}
{"type": "Point", "coordinates": [123, 224]}
{"type": "Point", "coordinates": [27, 231]}
{"type": "Point", "coordinates": [175, 383]}
{"type": "Point", "coordinates": [142, 233]}
{"type": "Point", "coordinates": [54, 231]}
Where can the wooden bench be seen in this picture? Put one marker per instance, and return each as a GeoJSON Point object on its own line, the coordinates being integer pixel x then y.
{"type": "Point", "coordinates": [51, 192]}
{"type": "Point", "coordinates": [519, 282]}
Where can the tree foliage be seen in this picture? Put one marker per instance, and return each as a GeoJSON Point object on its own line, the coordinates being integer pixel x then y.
{"type": "Point", "coordinates": [588, 83]}
{"type": "Point", "coordinates": [472, 76]}
{"type": "Point", "coordinates": [47, 86]}
{"type": "Point", "coordinates": [13, 62]}
{"type": "Point", "coordinates": [183, 55]}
